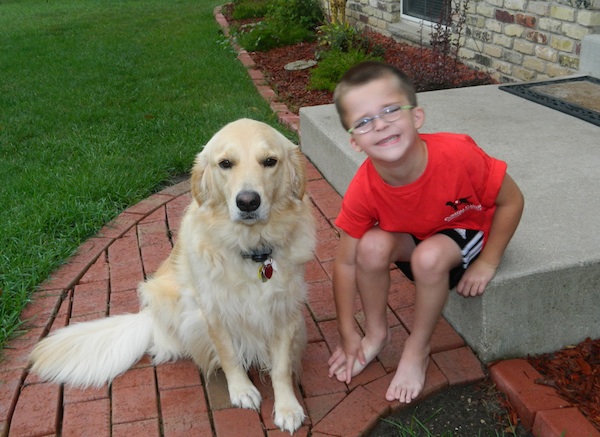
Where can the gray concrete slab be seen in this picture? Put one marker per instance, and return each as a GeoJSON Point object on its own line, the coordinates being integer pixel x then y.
{"type": "Point", "coordinates": [546, 293]}
{"type": "Point", "coordinates": [589, 59]}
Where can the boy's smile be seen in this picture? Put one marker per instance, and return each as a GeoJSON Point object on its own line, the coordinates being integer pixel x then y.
{"type": "Point", "coordinates": [388, 140]}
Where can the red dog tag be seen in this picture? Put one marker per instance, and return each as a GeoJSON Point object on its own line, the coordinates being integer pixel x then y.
{"type": "Point", "coordinates": [265, 272]}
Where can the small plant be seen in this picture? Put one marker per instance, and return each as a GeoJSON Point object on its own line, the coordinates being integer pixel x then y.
{"type": "Point", "coordinates": [334, 64]}
{"type": "Point", "coordinates": [440, 66]}
{"type": "Point", "coordinates": [344, 37]}
{"type": "Point", "coordinates": [448, 31]}
{"type": "Point", "coordinates": [286, 22]}
{"type": "Point", "coordinates": [339, 47]}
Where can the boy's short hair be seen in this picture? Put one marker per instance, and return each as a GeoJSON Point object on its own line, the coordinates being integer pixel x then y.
{"type": "Point", "coordinates": [368, 71]}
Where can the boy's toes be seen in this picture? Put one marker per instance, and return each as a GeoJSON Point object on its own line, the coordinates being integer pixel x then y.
{"type": "Point", "coordinates": [407, 395]}
{"type": "Point", "coordinates": [341, 375]}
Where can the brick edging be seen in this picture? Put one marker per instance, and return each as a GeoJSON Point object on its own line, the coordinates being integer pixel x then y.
{"type": "Point", "coordinates": [540, 408]}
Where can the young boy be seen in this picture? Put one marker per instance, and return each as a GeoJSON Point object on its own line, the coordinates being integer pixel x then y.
{"type": "Point", "coordinates": [434, 204]}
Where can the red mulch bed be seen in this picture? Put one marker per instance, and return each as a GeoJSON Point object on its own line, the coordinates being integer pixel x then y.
{"type": "Point", "coordinates": [575, 374]}
{"type": "Point", "coordinates": [428, 70]}
{"type": "Point", "coordinates": [574, 371]}
{"type": "Point", "coordinates": [291, 86]}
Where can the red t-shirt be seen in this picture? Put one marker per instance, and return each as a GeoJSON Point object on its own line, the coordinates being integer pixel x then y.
{"type": "Point", "coordinates": [457, 190]}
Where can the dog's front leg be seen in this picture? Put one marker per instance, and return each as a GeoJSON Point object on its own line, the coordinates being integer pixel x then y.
{"type": "Point", "coordinates": [289, 414]}
{"type": "Point", "coordinates": [242, 392]}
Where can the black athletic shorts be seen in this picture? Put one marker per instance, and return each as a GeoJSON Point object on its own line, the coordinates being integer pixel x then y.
{"type": "Point", "coordinates": [470, 243]}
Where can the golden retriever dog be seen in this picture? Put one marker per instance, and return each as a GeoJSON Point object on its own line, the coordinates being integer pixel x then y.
{"type": "Point", "coordinates": [230, 294]}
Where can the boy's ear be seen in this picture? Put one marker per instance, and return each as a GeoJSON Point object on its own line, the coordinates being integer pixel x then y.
{"type": "Point", "coordinates": [355, 146]}
{"type": "Point", "coordinates": [418, 117]}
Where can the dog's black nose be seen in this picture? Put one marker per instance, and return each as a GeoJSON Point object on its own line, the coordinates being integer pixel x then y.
{"type": "Point", "coordinates": [248, 201]}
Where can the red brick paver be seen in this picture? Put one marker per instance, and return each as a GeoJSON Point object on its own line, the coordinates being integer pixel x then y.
{"type": "Point", "coordinates": [174, 399]}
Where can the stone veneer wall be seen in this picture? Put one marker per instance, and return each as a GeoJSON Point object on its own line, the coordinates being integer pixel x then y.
{"type": "Point", "coordinates": [514, 40]}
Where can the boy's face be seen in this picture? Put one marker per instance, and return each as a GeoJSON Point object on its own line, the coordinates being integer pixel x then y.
{"type": "Point", "coordinates": [386, 142]}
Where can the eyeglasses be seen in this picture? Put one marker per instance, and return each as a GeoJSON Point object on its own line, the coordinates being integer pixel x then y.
{"type": "Point", "coordinates": [389, 114]}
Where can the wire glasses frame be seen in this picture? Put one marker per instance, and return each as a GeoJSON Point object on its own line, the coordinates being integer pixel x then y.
{"type": "Point", "coordinates": [388, 114]}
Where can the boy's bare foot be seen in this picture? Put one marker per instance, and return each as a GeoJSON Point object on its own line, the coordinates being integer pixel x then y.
{"type": "Point", "coordinates": [371, 349]}
{"type": "Point", "coordinates": [409, 380]}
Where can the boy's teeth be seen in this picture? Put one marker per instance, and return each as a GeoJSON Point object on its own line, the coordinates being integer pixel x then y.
{"type": "Point", "coordinates": [388, 139]}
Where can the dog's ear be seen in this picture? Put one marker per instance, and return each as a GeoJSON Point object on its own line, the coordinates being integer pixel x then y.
{"type": "Point", "coordinates": [297, 172]}
{"type": "Point", "coordinates": [200, 181]}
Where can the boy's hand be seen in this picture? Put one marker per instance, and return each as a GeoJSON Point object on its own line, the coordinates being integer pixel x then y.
{"type": "Point", "coordinates": [476, 278]}
{"type": "Point", "coordinates": [345, 355]}
{"type": "Point", "coordinates": [509, 207]}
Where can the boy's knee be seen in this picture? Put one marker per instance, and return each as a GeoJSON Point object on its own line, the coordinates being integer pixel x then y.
{"type": "Point", "coordinates": [373, 251]}
{"type": "Point", "coordinates": [426, 261]}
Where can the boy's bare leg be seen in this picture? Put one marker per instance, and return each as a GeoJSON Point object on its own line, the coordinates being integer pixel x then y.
{"type": "Point", "coordinates": [376, 250]}
{"type": "Point", "coordinates": [431, 262]}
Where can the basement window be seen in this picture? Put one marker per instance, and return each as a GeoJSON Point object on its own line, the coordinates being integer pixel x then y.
{"type": "Point", "coordinates": [433, 11]}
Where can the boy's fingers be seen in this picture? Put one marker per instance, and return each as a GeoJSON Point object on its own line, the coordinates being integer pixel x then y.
{"type": "Point", "coordinates": [333, 368]}
{"type": "Point", "coordinates": [336, 362]}
{"type": "Point", "coordinates": [334, 357]}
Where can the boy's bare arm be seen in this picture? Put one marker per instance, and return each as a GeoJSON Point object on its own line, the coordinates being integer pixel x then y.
{"type": "Point", "coordinates": [509, 207]}
{"type": "Point", "coordinates": [344, 291]}
{"type": "Point", "coordinates": [344, 282]}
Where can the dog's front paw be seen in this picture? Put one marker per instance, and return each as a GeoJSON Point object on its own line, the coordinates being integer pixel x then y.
{"type": "Point", "coordinates": [246, 396]}
{"type": "Point", "coordinates": [289, 417]}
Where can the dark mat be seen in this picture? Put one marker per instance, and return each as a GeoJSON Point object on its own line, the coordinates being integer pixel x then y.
{"type": "Point", "coordinates": [579, 96]}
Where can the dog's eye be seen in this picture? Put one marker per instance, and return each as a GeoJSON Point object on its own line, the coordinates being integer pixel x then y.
{"type": "Point", "coordinates": [225, 164]}
{"type": "Point", "coordinates": [270, 162]}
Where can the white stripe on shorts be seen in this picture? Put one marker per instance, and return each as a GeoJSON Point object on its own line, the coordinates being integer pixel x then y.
{"type": "Point", "coordinates": [472, 249]}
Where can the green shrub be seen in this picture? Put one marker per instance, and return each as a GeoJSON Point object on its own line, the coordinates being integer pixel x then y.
{"type": "Point", "coordinates": [335, 36]}
{"type": "Point", "coordinates": [265, 36]}
{"type": "Point", "coordinates": [249, 9]}
{"type": "Point", "coordinates": [307, 14]}
{"type": "Point", "coordinates": [344, 37]}
{"type": "Point", "coordinates": [333, 64]}
{"type": "Point", "coordinates": [286, 22]}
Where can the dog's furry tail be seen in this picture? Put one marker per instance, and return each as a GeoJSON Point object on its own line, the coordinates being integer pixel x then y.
{"type": "Point", "coordinates": [93, 353]}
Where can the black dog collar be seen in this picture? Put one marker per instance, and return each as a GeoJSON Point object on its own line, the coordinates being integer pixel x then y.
{"type": "Point", "coordinates": [258, 255]}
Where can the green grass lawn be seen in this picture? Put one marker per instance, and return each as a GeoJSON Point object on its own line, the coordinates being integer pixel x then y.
{"type": "Point", "coordinates": [100, 104]}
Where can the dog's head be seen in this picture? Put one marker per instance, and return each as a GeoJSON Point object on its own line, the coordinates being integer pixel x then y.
{"type": "Point", "coordinates": [249, 168]}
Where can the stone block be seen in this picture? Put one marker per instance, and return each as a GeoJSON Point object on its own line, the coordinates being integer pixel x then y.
{"type": "Point", "coordinates": [588, 18]}
{"type": "Point", "coordinates": [504, 16]}
{"type": "Point", "coordinates": [550, 25]}
{"type": "Point", "coordinates": [513, 30]}
{"type": "Point", "coordinates": [524, 47]}
{"type": "Point", "coordinates": [527, 20]}
{"type": "Point", "coordinates": [546, 54]}
{"type": "Point", "coordinates": [575, 31]}
{"type": "Point", "coordinates": [563, 13]}
{"type": "Point", "coordinates": [538, 7]}
{"type": "Point", "coordinates": [503, 40]}
{"type": "Point", "coordinates": [515, 5]}
{"type": "Point", "coordinates": [562, 44]}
